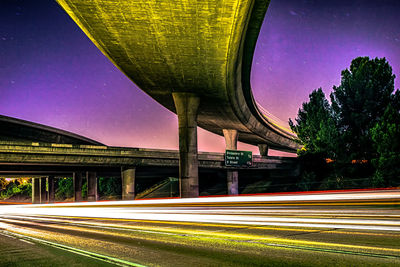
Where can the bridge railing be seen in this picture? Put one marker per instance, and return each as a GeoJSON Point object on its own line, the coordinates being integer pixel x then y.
{"type": "Point", "coordinates": [275, 120]}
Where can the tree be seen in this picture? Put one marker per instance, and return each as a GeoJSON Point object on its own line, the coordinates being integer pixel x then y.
{"type": "Point", "coordinates": [359, 103]}
{"type": "Point", "coordinates": [65, 188]}
{"type": "Point", "coordinates": [396, 100]}
{"type": "Point", "coordinates": [386, 138]}
{"type": "Point", "coordinates": [362, 125]}
{"type": "Point", "coordinates": [315, 126]}
{"type": "Point", "coordinates": [110, 186]}
{"type": "Point", "coordinates": [3, 183]}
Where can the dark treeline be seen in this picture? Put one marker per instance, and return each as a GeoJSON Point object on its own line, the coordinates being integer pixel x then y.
{"type": "Point", "coordinates": [108, 188]}
{"type": "Point", "coordinates": [21, 189]}
{"type": "Point", "coordinates": [353, 140]}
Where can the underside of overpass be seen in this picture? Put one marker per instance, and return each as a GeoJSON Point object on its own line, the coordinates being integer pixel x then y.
{"type": "Point", "coordinates": [194, 58]}
{"type": "Point", "coordinates": [203, 49]}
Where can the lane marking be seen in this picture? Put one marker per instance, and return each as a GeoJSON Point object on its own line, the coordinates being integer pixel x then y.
{"type": "Point", "coordinates": [26, 241]}
{"type": "Point", "coordinates": [3, 234]}
{"type": "Point", "coordinates": [82, 252]}
{"type": "Point", "coordinates": [254, 239]}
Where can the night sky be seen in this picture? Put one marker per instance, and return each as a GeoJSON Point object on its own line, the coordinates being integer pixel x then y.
{"type": "Point", "coordinates": [51, 73]}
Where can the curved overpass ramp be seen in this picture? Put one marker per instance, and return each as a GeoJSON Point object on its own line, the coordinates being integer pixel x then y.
{"type": "Point", "coordinates": [202, 47]}
{"type": "Point", "coordinates": [12, 129]}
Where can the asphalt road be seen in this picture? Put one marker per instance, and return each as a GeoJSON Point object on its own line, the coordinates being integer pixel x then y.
{"type": "Point", "coordinates": [337, 229]}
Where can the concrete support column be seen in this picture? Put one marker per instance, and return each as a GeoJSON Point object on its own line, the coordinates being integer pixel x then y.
{"type": "Point", "coordinates": [231, 138]}
{"type": "Point", "coordinates": [186, 105]}
{"type": "Point", "coordinates": [91, 179]}
{"type": "Point", "coordinates": [51, 192]}
{"type": "Point", "coordinates": [77, 178]}
{"type": "Point", "coordinates": [35, 190]}
{"type": "Point", "coordinates": [43, 190]}
{"type": "Point", "coordinates": [263, 148]}
{"type": "Point", "coordinates": [128, 176]}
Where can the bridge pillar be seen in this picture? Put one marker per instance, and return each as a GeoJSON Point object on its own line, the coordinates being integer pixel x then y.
{"type": "Point", "coordinates": [91, 179]}
{"type": "Point", "coordinates": [231, 138]}
{"type": "Point", "coordinates": [51, 192]}
{"type": "Point", "coordinates": [35, 190]}
{"type": "Point", "coordinates": [128, 176]}
{"type": "Point", "coordinates": [77, 180]}
{"type": "Point", "coordinates": [43, 190]}
{"type": "Point", "coordinates": [263, 148]}
{"type": "Point", "coordinates": [186, 105]}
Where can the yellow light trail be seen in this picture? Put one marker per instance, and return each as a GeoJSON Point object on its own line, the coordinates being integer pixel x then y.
{"type": "Point", "coordinates": [190, 210]}
{"type": "Point", "coordinates": [247, 238]}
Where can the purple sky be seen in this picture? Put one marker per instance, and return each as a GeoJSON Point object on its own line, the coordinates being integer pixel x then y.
{"type": "Point", "coordinates": [52, 74]}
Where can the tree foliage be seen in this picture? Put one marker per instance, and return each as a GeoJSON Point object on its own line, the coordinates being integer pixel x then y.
{"type": "Point", "coordinates": [386, 140]}
{"type": "Point", "coordinates": [65, 188]}
{"type": "Point", "coordinates": [110, 186]}
{"type": "Point", "coordinates": [3, 183]}
{"type": "Point", "coordinates": [15, 188]}
{"type": "Point", "coordinates": [107, 187]}
{"type": "Point", "coordinates": [315, 126]}
{"type": "Point", "coordinates": [360, 126]}
{"type": "Point", "coordinates": [359, 103]}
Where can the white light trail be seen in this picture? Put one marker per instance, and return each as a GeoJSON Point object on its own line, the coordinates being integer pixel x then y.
{"type": "Point", "coordinates": [153, 210]}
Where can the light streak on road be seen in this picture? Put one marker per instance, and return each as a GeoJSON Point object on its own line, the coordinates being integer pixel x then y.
{"type": "Point", "coordinates": [360, 227]}
{"type": "Point", "coordinates": [265, 210]}
{"type": "Point", "coordinates": [221, 219]}
{"type": "Point", "coordinates": [295, 198]}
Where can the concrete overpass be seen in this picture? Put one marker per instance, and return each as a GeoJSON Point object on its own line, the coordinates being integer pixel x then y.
{"type": "Point", "coordinates": [194, 58]}
{"type": "Point", "coordinates": [45, 161]}
{"type": "Point", "coordinates": [12, 129]}
{"type": "Point", "coordinates": [34, 150]}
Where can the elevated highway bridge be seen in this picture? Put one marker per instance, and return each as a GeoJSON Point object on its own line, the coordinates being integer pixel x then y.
{"type": "Point", "coordinates": [45, 153]}
{"type": "Point", "coordinates": [196, 52]}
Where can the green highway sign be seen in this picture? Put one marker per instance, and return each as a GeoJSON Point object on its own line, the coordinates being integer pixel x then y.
{"type": "Point", "coordinates": [237, 158]}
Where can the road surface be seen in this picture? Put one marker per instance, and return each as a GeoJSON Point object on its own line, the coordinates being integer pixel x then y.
{"type": "Point", "coordinates": [358, 228]}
